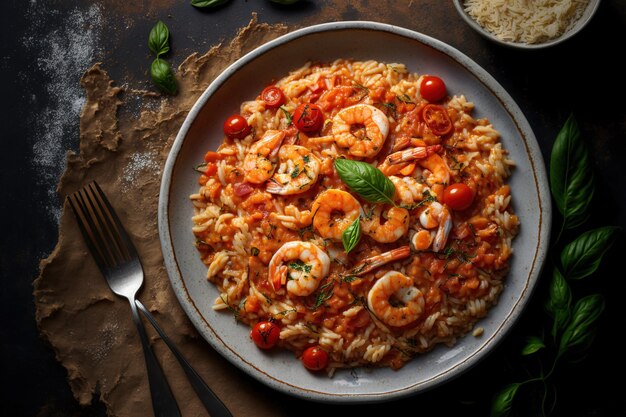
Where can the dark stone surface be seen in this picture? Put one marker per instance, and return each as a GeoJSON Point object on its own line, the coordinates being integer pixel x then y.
{"type": "Point", "coordinates": [582, 76]}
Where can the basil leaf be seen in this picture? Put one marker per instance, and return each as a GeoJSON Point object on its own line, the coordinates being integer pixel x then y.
{"type": "Point", "coordinates": [559, 301]}
{"type": "Point", "coordinates": [285, 2]}
{"type": "Point", "coordinates": [207, 3]}
{"type": "Point", "coordinates": [580, 332]}
{"type": "Point", "coordinates": [582, 257]}
{"type": "Point", "coordinates": [158, 40]}
{"type": "Point", "coordinates": [503, 401]}
{"type": "Point", "coordinates": [350, 237]}
{"type": "Point", "coordinates": [162, 76]}
{"type": "Point", "coordinates": [365, 180]}
{"type": "Point", "coordinates": [571, 178]}
{"type": "Point", "coordinates": [533, 344]}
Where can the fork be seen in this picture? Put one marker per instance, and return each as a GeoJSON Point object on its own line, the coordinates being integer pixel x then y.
{"type": "Point", "coordinates": [118, 261]}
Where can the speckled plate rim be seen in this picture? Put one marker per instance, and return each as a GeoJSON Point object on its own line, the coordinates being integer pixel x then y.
{"type": "Point", "coordinates": [537, 257]}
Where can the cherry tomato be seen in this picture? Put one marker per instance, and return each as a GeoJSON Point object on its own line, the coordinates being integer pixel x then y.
{"type": "Point", "coordinates": [236, 127]}
{"type": "Point", "coordinates": [308, 118]}
{"type": "Point", "coordinates": [315, 358]}
{"type": "Point", "coordinates": [458, 196]}
{"type": "Point", "coordinates": [265, 334]}
{"type": "Point", "coordinates": [273, 97]}
{"type": "Point", "coordinates": [433, 88]}
{"type": "Point", "coordinates": [437, 119]}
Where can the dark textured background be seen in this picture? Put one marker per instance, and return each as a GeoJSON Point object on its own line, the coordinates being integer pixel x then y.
{"type": "Point", "coordinates": [40, 42]}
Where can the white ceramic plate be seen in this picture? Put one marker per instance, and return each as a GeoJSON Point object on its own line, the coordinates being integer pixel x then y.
{"type": "Point", "coordinates": [202, 130]}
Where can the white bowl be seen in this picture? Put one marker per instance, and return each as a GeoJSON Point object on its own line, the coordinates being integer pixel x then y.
{"type": "Point", "coordinates": [577, 27]}
{"type": "Point", "coordinates": [242, 81]}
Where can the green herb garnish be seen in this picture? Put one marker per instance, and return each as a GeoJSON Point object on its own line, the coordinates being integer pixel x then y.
{"type": "Point", "coordinates": [365, 180]}
{"type": "Point", "coordinates": [350, 237]}
{"type": "Point", "coordinates": [298, 265]}
{"type": "Point", "coordinates": [201, 4]}
{"type": "Point", "coordinates": [573, 323]}
{"type": "Point", "coordinates": [160, 71]}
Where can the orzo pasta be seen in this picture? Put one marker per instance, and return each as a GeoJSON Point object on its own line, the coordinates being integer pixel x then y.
{"type": "Point", "coordinates": [373, 264]}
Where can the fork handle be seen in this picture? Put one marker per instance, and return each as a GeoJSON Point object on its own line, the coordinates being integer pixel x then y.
{"type": "Point", "coordinates": [212, 403]}
{"type": "Point", "coordinates": [163, 402]}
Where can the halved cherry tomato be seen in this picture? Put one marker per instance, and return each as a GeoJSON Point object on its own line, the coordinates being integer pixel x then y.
{"type": "Point", "coordinates": [236, 127]}
{"type": "Point", "coordinates": [265, 334]}
{"type": "Point", "coordinates": [433, 88]}
{"type": "Point", "coordinates": [437, 119]}
{"type": "Point", "coordinates": [273, 97]}
{"type": "Point", "coordinates": [315, 358]}
{"type": "Point", "coordinates": [308, 118]}
{"type": "Point", "coordinates": [458, 196]}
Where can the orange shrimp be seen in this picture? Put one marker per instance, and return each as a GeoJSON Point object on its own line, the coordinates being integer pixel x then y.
{"type": "Point", "coordinates": [395, 300]}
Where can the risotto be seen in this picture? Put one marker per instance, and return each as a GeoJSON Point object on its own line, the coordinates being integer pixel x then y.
{"type": "Point", "coordinates": [356, 214]}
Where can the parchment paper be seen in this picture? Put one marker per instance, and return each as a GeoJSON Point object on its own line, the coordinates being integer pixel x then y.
{"type": "Point", "coordinates": [125, 137]}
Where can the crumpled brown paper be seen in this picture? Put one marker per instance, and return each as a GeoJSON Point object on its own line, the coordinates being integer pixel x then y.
{"type": "Point", "coordinates": [90, 328]}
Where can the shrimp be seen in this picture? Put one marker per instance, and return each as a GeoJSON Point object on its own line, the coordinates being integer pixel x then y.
{"type": "Point", "coordinates": [309, 265]}
{"type": "Point", "coordinates": [438, 175]}
{"type": "Point", "coordinates": [361, 129]}
{"type": "Point", "coordinates": [395, 226]}
{"type": "Point", "coordinates": [411, 154]}
{"type": "Point", "coordinates": [260, 161]}
{"type": "Point", "coordinates": [369, 264]}
{"type": "Point", "coordinates": [297, 171]}
{"type": "Point", "coordinates": [437, 215]}
{"type": "Point", "coordinates": [328, 224]}
{"type": "Point", "coordinates": [395, 300]}
{"type": "Point", "coordinates": [408, 189]}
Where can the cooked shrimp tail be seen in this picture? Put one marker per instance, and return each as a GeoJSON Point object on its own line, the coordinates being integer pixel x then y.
{"type": "Point", "coordinates": [370, 264]}
{"type": "Point", "coordinates": [419, 152]}
{"type": "Point", "coordinates": [437, 216]}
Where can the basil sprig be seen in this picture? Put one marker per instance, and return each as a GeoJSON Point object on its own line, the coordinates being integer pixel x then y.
{"type": "Point", "coordinates": [207, 3]}
{"type": "Point", "coordinates": [160, 71]}
{"type": "Point", "coordinates": [159, 38]}
{"type": "Point", "coordinates": [571, 177]}
{"type": "Point", "coordinates": [365, 180]}
{"type": "Point", "coordinates": [573, 322]}
{"type": "Point", "coordinates": [582, 257]}
{"type": "Point", "coordinates": [350, 237]}
{"type": "Point", "coordinates": [163, 77]}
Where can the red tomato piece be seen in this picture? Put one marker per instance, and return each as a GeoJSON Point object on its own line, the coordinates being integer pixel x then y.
{"type": "Point", "coordinates": [458, 196]}
{"type": "Point", "coordinates": [315, 358]}
{"type": "Point", "coordinates": [437, 119]}
{"type": "Point", "coordinates": [265, 334]}
{"type": "Point", "coordinates": [212, 156]}
{"type": "Point", "coordinates": [242, 188]}
{"type": "Point", "coordinates": [236, 127]}
{"type": "Point", "coordinates": [211, 169]}
{"type": "Point", "coordinates": [273, 97]}
{"type": "Point", "coordinates": [308, 118]}
{"type": "Point", "coordinates": [433, 88]}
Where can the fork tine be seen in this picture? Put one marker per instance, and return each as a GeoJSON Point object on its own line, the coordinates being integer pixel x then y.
{"type": "Point", "coordinates": [86, 227]}
{"type": "Point", "coordinates": [109, 223]}
{"type": "Point", "coordinates": [101, 227]}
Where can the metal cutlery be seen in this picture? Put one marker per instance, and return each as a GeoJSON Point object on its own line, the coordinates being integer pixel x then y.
{"type": "Point", "coordinates": [118, 261]}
